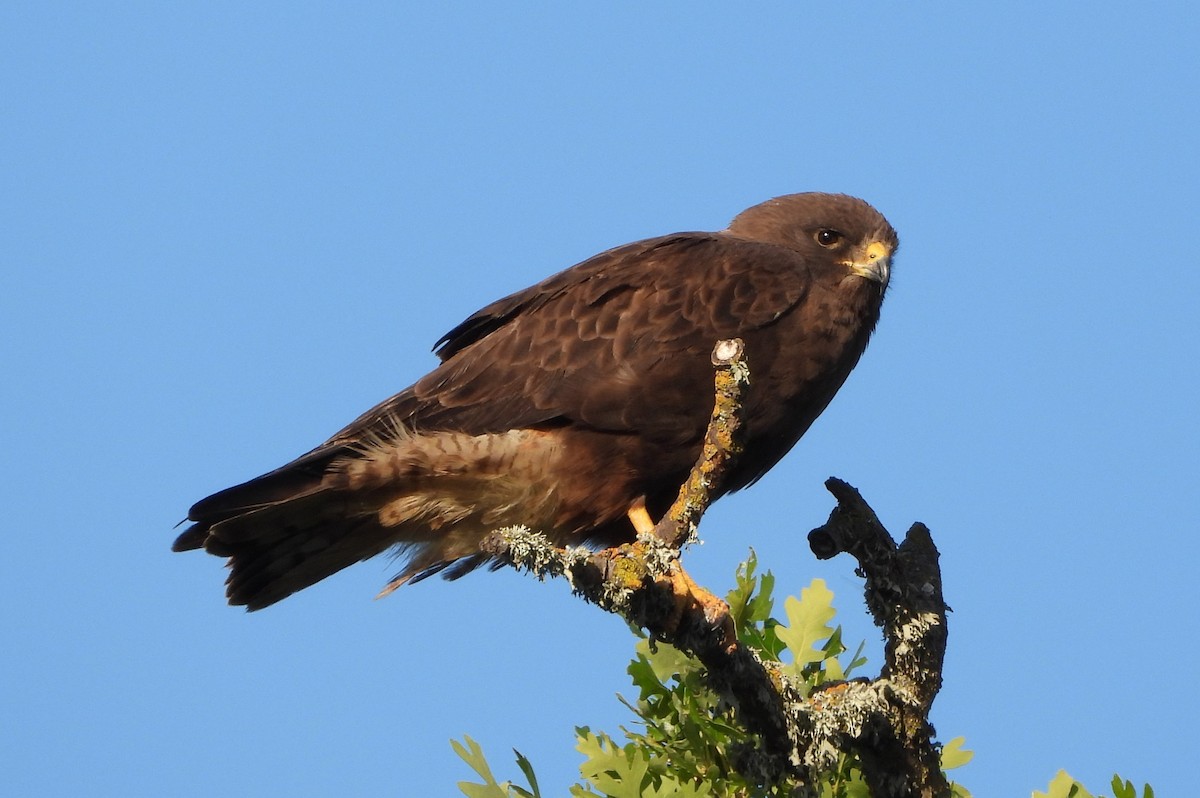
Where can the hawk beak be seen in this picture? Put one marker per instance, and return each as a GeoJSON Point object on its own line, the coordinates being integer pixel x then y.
{"type": "Point", "coordinates": [873, 263]}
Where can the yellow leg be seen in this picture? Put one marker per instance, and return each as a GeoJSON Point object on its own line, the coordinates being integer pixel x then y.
{"type": "Point", "coordinates": [686, 592]}
{"type": "Point", "coordinates": [640, 518]}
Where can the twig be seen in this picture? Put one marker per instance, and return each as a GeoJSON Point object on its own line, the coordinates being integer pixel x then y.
{"type": "Point", "coordinates": [721, 446]}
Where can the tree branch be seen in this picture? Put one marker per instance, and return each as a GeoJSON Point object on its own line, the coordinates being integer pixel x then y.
{"type": "Point", "coordinates": [884, 721]}
{"type": "Point", "coordinates": [904, 596]}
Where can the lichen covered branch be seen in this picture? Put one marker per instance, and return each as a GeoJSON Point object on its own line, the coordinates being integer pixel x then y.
{"type": "Point", "coordinates": [721, 446]}
{"type": "Point", "coordinates": [903, 588]}
{"type": "Point", "coordinates": [883, 721]}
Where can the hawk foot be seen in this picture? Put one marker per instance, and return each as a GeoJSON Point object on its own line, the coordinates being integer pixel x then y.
{"type": "Point", "coordinates": [691, 603]}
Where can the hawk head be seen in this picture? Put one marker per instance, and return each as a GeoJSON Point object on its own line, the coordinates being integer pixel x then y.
{"type": "Point", "coordinates": [819, 226]}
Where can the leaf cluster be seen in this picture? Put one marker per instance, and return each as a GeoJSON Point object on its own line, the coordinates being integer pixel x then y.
{"type": "Point", "coordinates": [685, 741]}
{"type": "Point", "coordinates": [1063, 786]}
{"type": "Point", "coordinates": [685, 738]}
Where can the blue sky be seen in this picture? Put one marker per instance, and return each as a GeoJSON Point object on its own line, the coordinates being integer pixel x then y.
{"type": "Point", "coordinates": [226, 230]}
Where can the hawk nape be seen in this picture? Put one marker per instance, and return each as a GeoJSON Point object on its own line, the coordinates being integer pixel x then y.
{"type": "Point", "coordinates": [574, 406]}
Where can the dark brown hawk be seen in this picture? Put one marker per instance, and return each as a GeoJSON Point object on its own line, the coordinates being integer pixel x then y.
{"type": "Point", "coordinates": [574, 406]}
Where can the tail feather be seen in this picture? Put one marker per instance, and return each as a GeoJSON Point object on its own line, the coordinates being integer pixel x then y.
{"type": "Point", "coordinates": [192, 538]}
{"type": "Point", "coordinates": [273, 569]}
{"type": "Point", "coordinates": [432, 561]}
{"type": "Point", "coordinates": [298, 478]}
{"type": "Point", "coordinates": [279, 548]}
{"type": "Point", "coordinates": [433, 497]}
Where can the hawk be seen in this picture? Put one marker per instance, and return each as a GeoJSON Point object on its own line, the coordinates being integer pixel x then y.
{"type": "Point", "coordinates": [575, 407]}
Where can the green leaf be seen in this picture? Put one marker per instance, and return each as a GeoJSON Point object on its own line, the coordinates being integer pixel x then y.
{"type": "Point", "coordinates": [666, 661]}
{"type": "Point", "coordinates": [858, 660]}
{"type": "Point", "coordinates": [750, 604]}
{"type": "Point", "coordinates": [954, 755]}
{"type": "Point", "coordinates": [739, 598]}
{"type": "Point", "coordinates": [762, 603]}
{"type": "Point", "coordinates": [527, 768]}
{"type": "Point", "coordinates": [958, 791]}
{"type": "Point", "coordinates": [614, 771]}
{"type": "Point", "coordinates": [856, 788]}
{"type": "Point", "coordinates": [808, 623]}
{"type": "Point", "coordinates": [833, 647]}
{"type": "Point", "coordinates": [750, 600]}
{"type": "Point", "coordinates": [670, 788]}
{"type": "Point", "coordinates": [1063, 786]}
{"type": "Point", "coordinates": [833, 670]}
{"type": "Point", "coordinates": [472, 754]}
{"type": "Point", "coordinates": [1125, 789]}
{"type": "Point", "coordinates": [644, 678]}
{"type": "Point", "coordinates": [618, 772]}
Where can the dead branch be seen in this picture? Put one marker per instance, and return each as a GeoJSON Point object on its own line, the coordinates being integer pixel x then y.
{"type": "Point", "coordinates": [904, 596]}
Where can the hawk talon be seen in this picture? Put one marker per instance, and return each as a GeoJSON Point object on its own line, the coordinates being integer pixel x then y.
{"type": "Point", "coordinates": [689, 596]}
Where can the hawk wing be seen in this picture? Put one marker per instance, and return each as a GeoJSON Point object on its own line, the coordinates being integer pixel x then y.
{"type": "Point", "coordinates": [619, 343]}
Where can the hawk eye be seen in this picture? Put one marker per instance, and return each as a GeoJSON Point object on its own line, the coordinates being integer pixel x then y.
{"type": "Point", "coordinates": [827, 238]}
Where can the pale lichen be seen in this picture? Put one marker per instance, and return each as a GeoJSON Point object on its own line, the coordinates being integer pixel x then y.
{"type": "Point", "coordinates": [533, 552]}
{"type": "Point", "coordinates": [658, 556]}
{"type": "Point", "coordinates": [839, 715]}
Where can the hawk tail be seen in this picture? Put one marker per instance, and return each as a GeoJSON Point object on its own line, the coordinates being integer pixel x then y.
{"type": "Point", "coordinates": [293, 527]}
{"type": "Point", "coordinates": [282, 547]}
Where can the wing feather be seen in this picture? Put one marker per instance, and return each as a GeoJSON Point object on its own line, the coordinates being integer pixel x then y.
{"type": "Point", "coordinates": [616, 343]}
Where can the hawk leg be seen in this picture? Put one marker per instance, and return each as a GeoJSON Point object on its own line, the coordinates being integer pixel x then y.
{"type": "Point", "coordinates": [640, 517]}
{"type": "Point", "coordinates": [686, 593]}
